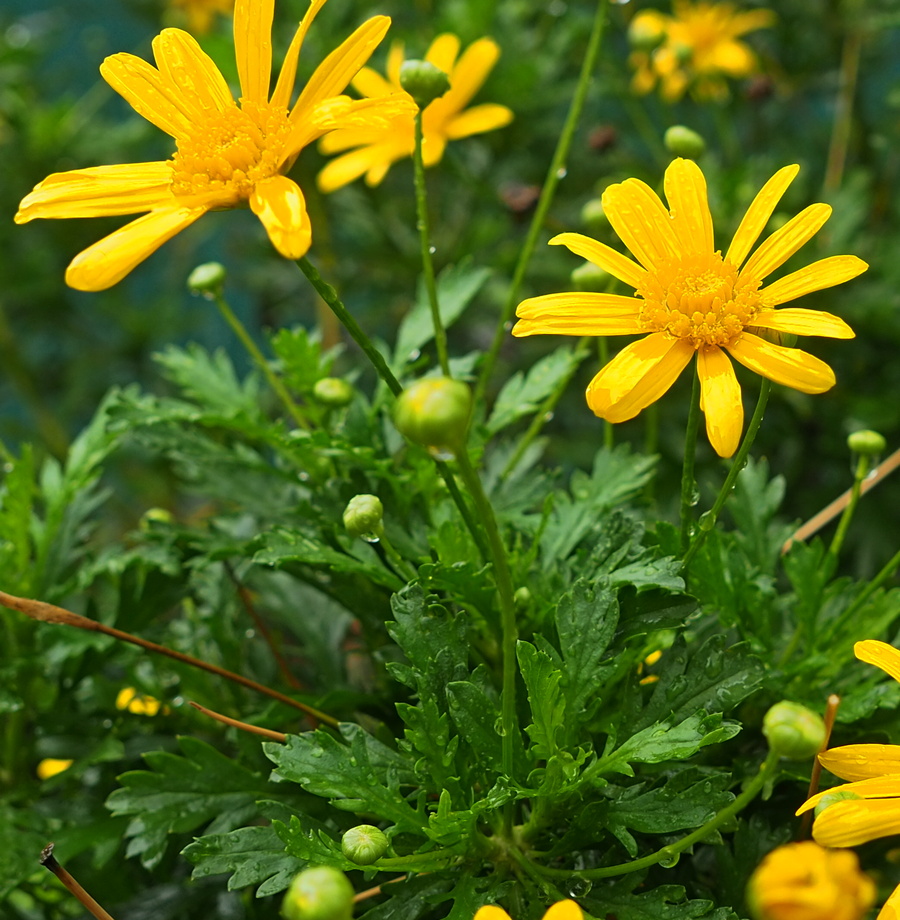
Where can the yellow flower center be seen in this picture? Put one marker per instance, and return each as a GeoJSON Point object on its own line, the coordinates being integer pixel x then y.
{"type": "Point", "coordinates": [700, 298]}
{"type": "Point", "coordinates": [228, 152]}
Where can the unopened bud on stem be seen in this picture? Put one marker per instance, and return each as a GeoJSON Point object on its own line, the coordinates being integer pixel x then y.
{"type": "Point", "coordinates": [793, 731]}
{"type": "Point", "coordinates": [423, 81]}
{"type": "Point", "coordinates": [322, 893]}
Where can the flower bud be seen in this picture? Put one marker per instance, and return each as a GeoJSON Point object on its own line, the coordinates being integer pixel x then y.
{"type": "Point", "coordinates": [333, 392]}
{"type": "Point", "coordinates": [362, 516]}
{"type": "Point", "coordinates": [321, 893]}
{"type": "Point", "coordinates": [590, 277]}
{"type": "Point", "coordinates": [423, 81]}
{"type": "Point", "coordinates": [684, 142]}
{"type": "Point", "coordinates": [593, 216]}
{"type": "Point", "coordinates": [364, 844]}
{"type": "Point", "coordinates": [435, 412]}
{"type": "Point", "coordinates": [793, 731]}
{"type": "Point", "coordinates": [839, 795]}
{"type": "Point", "coordinates": [647, 30]}
{"type": "Point", "coordinates": [805, 881]}
{"type": "Point", "coordinates": [153, 517]}
{"type": "Point", "coordinates": [867, 443]}
{"type": "Point", "coordinates": [207, 279]}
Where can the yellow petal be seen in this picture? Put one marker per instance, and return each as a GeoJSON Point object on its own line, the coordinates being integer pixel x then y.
{"type": "Point", "coordinates": [783, 243]}
{"type": "Point", "coordinates": [192, 74]}
{"type": "Point", "coordinates": [347, 168]}
{"type": "Point", "coordinates": [443, 51]}
{"type": "Point", "coordinates": [641, 221]}
{"type": "Point", "coordinates": [880, 654]}
{"type": "Point", "coordinates": [279, 204]}
{"type": "Point", "coordinates": [253, 47]}
{"type": "Point", "coordinates": [331, 77]}
{"type": "Point", "coordinates": [480, 118]}
{"type": "Point", "coordinates": [491, 912]}
{"type": "Point", "coordinates": [433, 147]}
{"type": "Point", "coordinates": [99, 191]}
{"type": "Point", "coordinates": [394, 63]}
{"type": "Point", "coordinates": [284, 87]}
{"type": "Point", "coordinates": [685, 190]}
{"type": "Point", "coordinates": [637, 376]}
{"type": "Point", "coordinates": [604, 256]}
{"type": "Point", "coordinates": [564, 910]}
{"type": "Point", "coordinates": [469, 74]}
{"type": "Point", "coordinates": [880, 787]}
{"type": "Point", "coordinates": [733, 58]}
{"type": "Point", "coordinates": [803, 322]}
{"type": "Point", "coordinates": [102, 265]}
{"type": "Point", "coordinates": [578, 314]}
{"type": "Point", "coordinates": [789, 366]}
{"type": "Point", "coordinates": [891, 909]}
{"type": "Point", "coordinates": [855, 762]}
{"type": "Point", "coordinates": [852, 822]}
{"type": "Point", "coordinates": [721, 400]}
{"type": "Point", "coordinates": [142, 86]}
{"type": "Point", "coordinates": [369, 82]}
{"type": "Point", "coordinates": [819, 275]}
{"type": "Point", "coordinates": [758, 214]}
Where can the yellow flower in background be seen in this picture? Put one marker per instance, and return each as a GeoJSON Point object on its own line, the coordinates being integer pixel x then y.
{"type": "Point", "coordinates": [201, 13]}
{"type": "Point", "coordinates": [140, 704]}
{"type": "Point", "coordinates": [691, 300]}
{"type": "Point", "coordinates": [562, 910]}
{"type": "Point", "coordinates": [372, 150]}
{"type": "Point", "coordinates": [871, 806]}
{"type": "Point", "coordinates": [804, 881]}
{"type": "Point", "coordinates": [227, 153]}
{"type": "Point", "coordinates": [50, 766]}
{"type": "Point", "coordinates": [698, 46]}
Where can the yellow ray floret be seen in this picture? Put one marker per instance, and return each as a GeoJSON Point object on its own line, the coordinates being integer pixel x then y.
{"type": "Point", "coordinates": [691, 300]}
{"type": "Point", "coordinates": [371, 150]}
{"type": "Point", "coordinates": [562, 910]}
{"type": "Point", "coordinates": [228, 153]}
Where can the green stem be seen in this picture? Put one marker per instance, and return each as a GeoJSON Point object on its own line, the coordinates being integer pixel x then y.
{"type": "Point", "coordinates": [688, 482]}
{"type": "Point", "coordinates": [508, 625]}
{"type": "Point", "coordinates": [871, 588]}
{"type": "Point", "coordinates": [603, 355]}
{"type": "Point", "coordinates": [329, 295]}
{"type": "Point", "coordinates": [440, 335]}
{"type": "Point", "coordinates": [556, 171]}
{"type": "Point", "coordinates": [259, 360]}
{"type": "Point", "coordinates": [404, 569]}
{"type": "Point", "coordinates": [860, 473]}
{"type": "Point", "coordinates": [670, 852]}
{"type": "Point", "coordinates": [708, 520]}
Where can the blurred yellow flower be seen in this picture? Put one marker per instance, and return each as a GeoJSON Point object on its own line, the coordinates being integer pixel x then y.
{"type": "Point", "coordinates": [695, 48]}
{"type": "Point", "coordinates": [872, 808]}
{"type": "Point", "coordinates": [50, 766]}
{"type": "Point", "coordinates": [562, 910]}
{"type": "Point", "coordinates": [691, 300]}
{"type": "Point", "coordinates": [201, 13]}
{"type": "Point", "coordinates": [804, 881]}
{"type": "Point", "coordinates": [372, 150]}
{"type": "Point", "coordinates": [141, 704]}
{"type": "Point", "coordinates": [227, 153]}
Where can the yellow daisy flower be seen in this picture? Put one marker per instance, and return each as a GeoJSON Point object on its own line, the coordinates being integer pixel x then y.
{"type": "Point", "coordinates": [562, 910]}
{"type": "Point", "coordinates": [700, 47]}
{"type": "Point", "coordinates": [872, 808]}
{"type": "Point", "coordinates": [372, 150]}
{"type": "Point", "coordinates": [691, 300]}
{"type": "Point", "coordinates": [201, 13]}
{"type": "Point", "coordinates": [804, 881]}
{"type": "Point", "coordinates": [227, 153]}
{"type": "Point", "coordinates": [140, 704]}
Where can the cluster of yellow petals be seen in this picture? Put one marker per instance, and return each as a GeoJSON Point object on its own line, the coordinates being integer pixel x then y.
{"type": "Point", "coordinates": [370, 151]}
{"type": "Point", "coordinates": [562, 910]}
{"type": "Point", "coordinates": [139, 704]}
{"type": "Point", "coordinates": [694, 48]}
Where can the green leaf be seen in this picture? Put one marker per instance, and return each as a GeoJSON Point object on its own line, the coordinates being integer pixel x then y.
{"type": "Point", "coordinates": [362, 775]}
{"type": "Point", "coordinates": [456, 286]}
{"type": "Point", "coordinates": [301, 358]}
{"type": "Point", "coordinates": [183, 793]}
{"type": "Point", "coordinates": [476, 715]}
{"type": "Point", "coordinates": [251, 855]}
{"type": "Point", "coordinates": [548, 707]}
{"type": "Point", "coordinates": [668, 902]}
{"type": "Point", "coordinates": [312, 844]}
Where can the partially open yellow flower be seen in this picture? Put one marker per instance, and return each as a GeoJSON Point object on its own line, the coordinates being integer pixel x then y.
{"type": "Point", "coordinates": [562, 910]}
{"type": "Point", "coordinates": [804, 881]}
{"type": "Point", "coordinates": [691, 300]}
{"type": "Point", "coordinates": [140, 704]}
{"type": "Point", "coordinates": [372, 150]}
{"type": "Point", "coordinates": [699, 49]}
{"type": "Point", "coordinates": [228, 154]}
{"type": "Point", "coordinates": [201, 13]}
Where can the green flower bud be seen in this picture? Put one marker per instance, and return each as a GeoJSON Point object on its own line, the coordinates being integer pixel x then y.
{"type": "Point", "coordinates": [839, 795]}
{"type": "Point", "coordinates": [153, 516]}
{"type": "Point", "coordinates": [322, 893]}
{"type": "Point", "coordinates": [522, 597]}
{"type": "Point", "coordinates": [867, 443]}
{"type": "Point", "coordinates": [593, 216]}
{"type": "Point", "coordinates": [333, 392]}
{"type": "Point", "coordinates": [364, 844]}
{"type": "Point", "coordinates": [207, 279]}
{"type": "Point", "coordinates": [362, 516]}
{"type": "Point", "coordinates": [423, 81]}
{"type": "Point", "coordinates": [647, 30]}
{"type": "Point", "coordinates": [684, 142]}
{"type": "Point", "coordinates": [793, 731]}
{"type": "Point", "coordinates": [590, 277]}
{"type": "Point", "coordinates": [435, 412]}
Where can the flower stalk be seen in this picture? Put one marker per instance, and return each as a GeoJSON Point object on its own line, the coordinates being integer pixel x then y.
{"type": "Point", "coordinates": [688, 481]}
